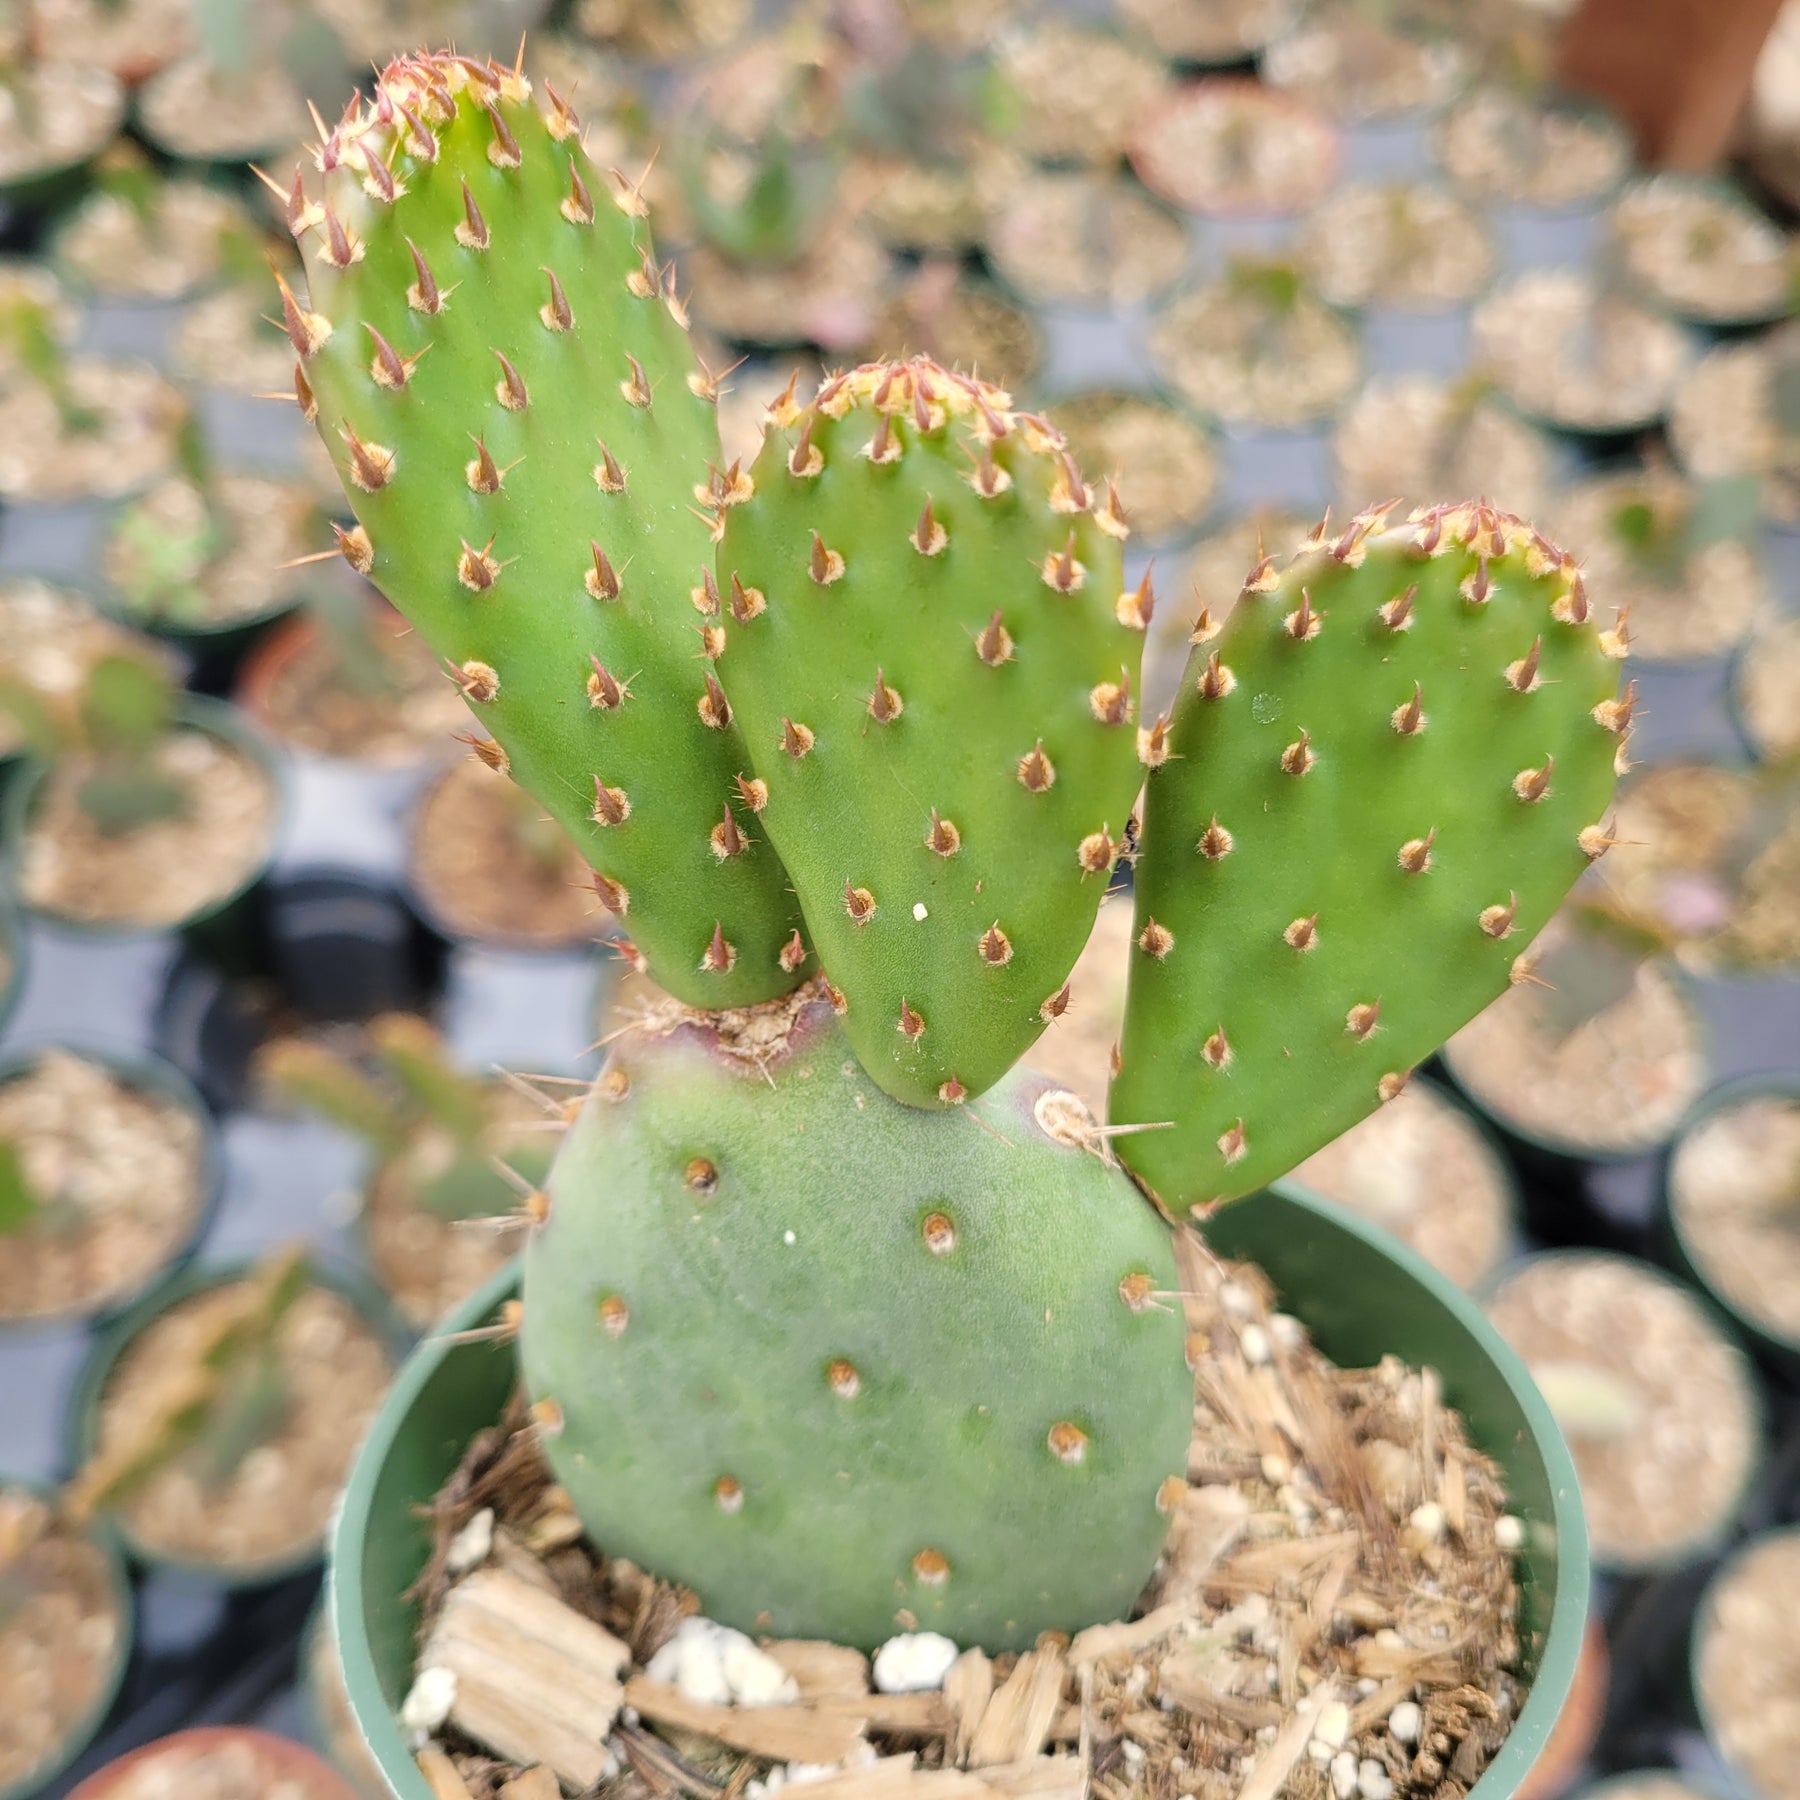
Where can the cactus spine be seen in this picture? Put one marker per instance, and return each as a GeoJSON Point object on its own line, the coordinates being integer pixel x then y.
{"type": "Point", "coordinates": [502, 370]}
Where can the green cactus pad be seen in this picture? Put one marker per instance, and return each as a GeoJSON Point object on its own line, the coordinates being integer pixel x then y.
{"type": "Point", "coordinates": [1381, 777]}
{"type": "Point", "coordinates": [949, 1397]}
{"type": "Point", "coordinates": [936, 665]}
{"type": "Point", "coordinates": [502, 372]}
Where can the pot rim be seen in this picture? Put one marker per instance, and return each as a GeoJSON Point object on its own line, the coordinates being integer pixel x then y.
{"type": "Point", "coordinates": [1560, 101]}
{"type": "Point", "coordinates": [287, 637]}
{"type": "Point", "coordinates": [206, 635]}
{"type": "Point", "coordinates": [1726, 326]}
{"type": "Point", "coordinates": [347, 1601]}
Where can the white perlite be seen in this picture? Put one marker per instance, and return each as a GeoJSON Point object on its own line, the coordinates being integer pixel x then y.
{"type": "Point", "coordinates": [428, 1704]}
{"type": "Point", "coordinates": [1326, 1743]}
{"type": "Point", "coordinates": [1404, 1722]}
{"type": "Point", "coordinates": [913, 1663]}
{"type": "Point", "coordinates": [1373, 1782]}
{"type": "Point", "coordinates": [713, 1665]}
{"type": "Point", "coordinates": [470, 1548]}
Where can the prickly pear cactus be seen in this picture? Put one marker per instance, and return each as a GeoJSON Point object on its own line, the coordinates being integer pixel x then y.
{"type": "Point", "coordinates": [935, 663]}
{"type": "Point", "coordinates": [1382, 774]}
{"type": "Point", "coordinates": [841, 1365]}
{"type": "Point", "coordinates": [502, 372]}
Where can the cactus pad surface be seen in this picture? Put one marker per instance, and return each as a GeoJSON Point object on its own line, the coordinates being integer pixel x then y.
{"type": "Point", "coordinates": [844, 1366]}
{"type": "Point", "coordinates": [1382, 774]}
{"type": "Point", "coordinates": [935, 663]}
{"type": "Point", "coordinates": [502, 372]}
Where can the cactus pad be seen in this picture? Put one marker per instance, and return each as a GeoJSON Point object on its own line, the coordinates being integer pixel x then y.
{"type": "Point", "coordinates": [1382, 775]}
{"type": "Point", "coordinates": [839, 1364]}
{"type": "Point", "coordinates": [935, 664]}
{"type": "Point", "coordinates": [502, 372]}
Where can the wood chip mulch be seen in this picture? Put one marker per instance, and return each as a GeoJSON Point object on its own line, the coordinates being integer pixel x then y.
{"type": "Point", "coordinates": [1334, 1619]}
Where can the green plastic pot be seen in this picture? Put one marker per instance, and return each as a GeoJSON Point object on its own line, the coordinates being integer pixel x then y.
{"type": "Point", "coordinates": [160, 1078]}
{"type": "Point", "coordinates": [226, 923]}
{"type": "Point", "coordinates": [90, 1383]}
{"type": "Point", "coordinates": [1781, 1348]}
{"type": "Point", "coordinates": [1361, 1295]}
{"type": "Point", "coordinates": [87, 1727]}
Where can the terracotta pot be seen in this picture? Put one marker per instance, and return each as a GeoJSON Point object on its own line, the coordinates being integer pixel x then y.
{"type": "Point", "coordinates": [1577, 1728]}
{"type": "Point", "coordinates": [279, 1758]}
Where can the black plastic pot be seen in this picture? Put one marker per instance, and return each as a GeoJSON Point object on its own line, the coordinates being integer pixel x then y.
{"type": "Point", "coordinates": [210, 1027]}
{"type": "Point", "coordinates": [215, 648]}
{"type": "Point", "coordinates": [348, 946]}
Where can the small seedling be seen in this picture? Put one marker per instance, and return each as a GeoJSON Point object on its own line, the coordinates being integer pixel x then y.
{"type": "Point", "coordinates": [230, 1396]}
{"type": "Point", "coordinates": [109, 731]}
{"type": "Point", "coordinates": [442, 1130]}
{"type": "Point", "coordinates": [30, 338]}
